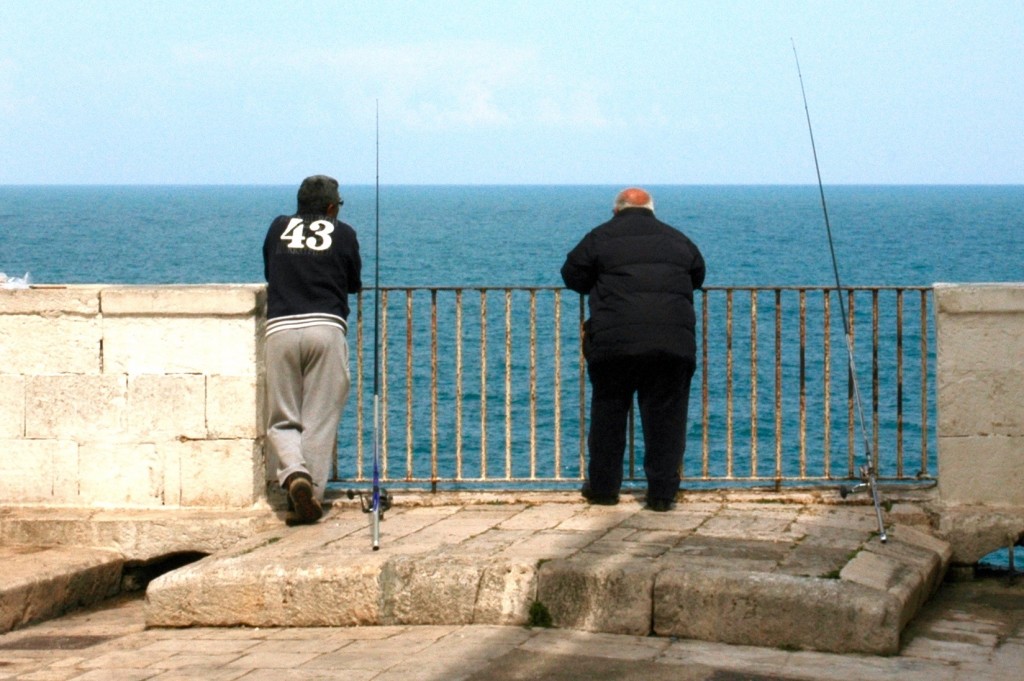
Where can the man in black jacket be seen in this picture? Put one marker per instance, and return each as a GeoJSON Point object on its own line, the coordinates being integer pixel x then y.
{"type": "Point", "coordinates": [311, 263]}
{"type": "Point", "coordinates": [640, 274]}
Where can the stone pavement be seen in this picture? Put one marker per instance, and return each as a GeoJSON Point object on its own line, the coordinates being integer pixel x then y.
{"type": "Point", "coordinates": [970, 631]}
{"type": "Point", "coordinates": [726, 586]}
{"type": "Point", "coordinates": [40, 582]}
{"type": "Point", "coordinates": [788, 572]}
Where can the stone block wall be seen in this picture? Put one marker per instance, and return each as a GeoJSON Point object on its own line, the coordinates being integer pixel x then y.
{"type": "Point", "coordinates": [150, 396]}
{"type": "Point", "coordinates": [132, 396]}
{"type": "Point", "coordinates": [980, 383]}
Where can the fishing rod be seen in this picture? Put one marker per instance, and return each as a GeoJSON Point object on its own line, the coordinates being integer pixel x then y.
{"type": "Point", "coordinates": [378, 499]}
{"type": "Point", "coordinates": [869, 480]}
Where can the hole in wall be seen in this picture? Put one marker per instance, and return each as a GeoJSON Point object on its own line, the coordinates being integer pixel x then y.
{"type": "Point", "coordinates": [1005, 561]}
{"type": "Point", "coordinates": [137, 576]}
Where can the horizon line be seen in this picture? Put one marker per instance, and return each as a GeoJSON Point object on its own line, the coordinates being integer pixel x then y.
{"type": "Point", "coordinates": [521, 184]}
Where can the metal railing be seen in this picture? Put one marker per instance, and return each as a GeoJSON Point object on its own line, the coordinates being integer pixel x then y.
{"type": "Point", "coordinates": [470, 402]}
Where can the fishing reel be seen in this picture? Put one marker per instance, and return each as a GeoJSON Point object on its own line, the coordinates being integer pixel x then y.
{"type": "Point", "coordinates": [366, 500]}
{"type": "Point", "coordinates": [870, 483]}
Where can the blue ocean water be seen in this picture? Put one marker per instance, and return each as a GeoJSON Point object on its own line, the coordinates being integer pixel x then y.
{"type": "Point", "coordinates": [518, 235]}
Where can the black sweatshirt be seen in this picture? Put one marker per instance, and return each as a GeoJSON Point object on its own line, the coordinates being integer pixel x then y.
{"type": "Point", "coordinates": [311, 263]}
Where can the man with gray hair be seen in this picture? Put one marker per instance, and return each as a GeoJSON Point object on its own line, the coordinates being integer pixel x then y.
{"type": "Point", "coordinates": [311, 263]}
{"type": "Point", "coordinates": [640, 339]}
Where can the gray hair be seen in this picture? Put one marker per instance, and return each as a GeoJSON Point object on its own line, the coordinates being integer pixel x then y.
{"type": "Point", "coordinates": [316, 193]}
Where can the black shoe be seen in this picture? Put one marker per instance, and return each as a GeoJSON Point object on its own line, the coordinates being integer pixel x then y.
{"type": "Point", "coordinates": [660, 505]}
{"type": "Point", "coordinates": [306, 510]}
{"type": "Point", "coordinates": [598, 499]}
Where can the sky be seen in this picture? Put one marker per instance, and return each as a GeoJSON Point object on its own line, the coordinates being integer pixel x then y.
{"type": "Point", "coordinates": [511, 92]}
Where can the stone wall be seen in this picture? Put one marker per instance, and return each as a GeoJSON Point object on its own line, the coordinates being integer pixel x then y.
{"type": "Point", "coordinates": [132, 396]}
{"type": "Point", "coordinates": [980, 383]}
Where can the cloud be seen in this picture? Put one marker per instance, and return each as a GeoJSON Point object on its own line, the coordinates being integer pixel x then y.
{"type": "Point", "coordinates": [577, 109]}
{"type": "Point", "coordinates": [426, 87]}
{"type": "Point", "coordinates": [439, 85]}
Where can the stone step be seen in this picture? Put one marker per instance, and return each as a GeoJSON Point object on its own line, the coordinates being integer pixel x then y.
{"type": "Point", "coordinates": [140, 535]}
{"type": "Point", "coordinates": [38, 583]}
{"type": "Point", "coordinates": [781, 575]}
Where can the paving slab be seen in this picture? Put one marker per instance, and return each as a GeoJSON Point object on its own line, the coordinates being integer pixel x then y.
{"type": "Point", "coordinates": [983, 618]}
{"type": "Point", "coordinates": [140, 535]}
{"type": "Point", "coordinates": [37, 583]}
{"type": "Point", "coordinates": [788, 574]}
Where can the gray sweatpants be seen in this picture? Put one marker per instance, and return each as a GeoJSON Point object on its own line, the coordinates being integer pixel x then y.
{"type": "Point", "coordinates": [307, 387]}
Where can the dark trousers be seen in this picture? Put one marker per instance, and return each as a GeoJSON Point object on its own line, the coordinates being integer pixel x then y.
{"type": "Point", "coordinates": [662, 387]}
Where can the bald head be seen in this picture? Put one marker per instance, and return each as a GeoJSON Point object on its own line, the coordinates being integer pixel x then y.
{"type": "Point", "coordinates": [633, 197]}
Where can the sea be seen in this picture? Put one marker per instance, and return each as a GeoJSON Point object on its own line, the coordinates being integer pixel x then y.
{"type": "Point", "coordinates": [517, 236]}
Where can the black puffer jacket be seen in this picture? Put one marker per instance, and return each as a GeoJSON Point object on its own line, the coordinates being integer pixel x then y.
{"type": "Point", "coordinates": [640, 274]}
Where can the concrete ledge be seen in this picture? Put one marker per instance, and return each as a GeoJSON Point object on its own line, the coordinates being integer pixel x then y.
{"type": "Point", "coordinates": [136, 535]}
{"type": "Point", "coordinates": [50, 301]}
{"type": "Point", "coordinates": [975, 531]}
{"type": "Point", "coordinates": [782, 611]}
{"type": "Point", "coordinates": [789, 575]}
{"type": "Point", "coordinates": [40, 583]}
{"type": "Point", "coordinates": [182, 300]}
{"type": "Point", "coordinates": [979, 298]}
{"type": "Point", "coordinates": [430, 589]}
{"type": "Point", "coordinates": [280, 593]}
{"type": "Point", "coordinates": [876, 594]}
{"type": "Point", "coordinates": [610, 594]}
